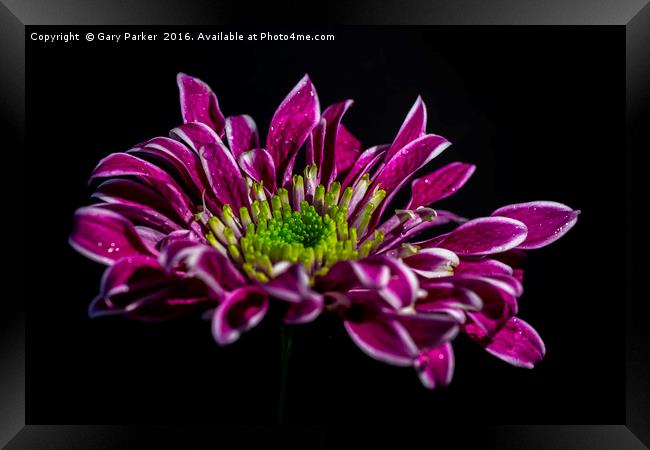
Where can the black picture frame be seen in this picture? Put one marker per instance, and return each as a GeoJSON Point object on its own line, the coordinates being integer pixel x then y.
{"type": "Point", "coordinates": [633, 15]}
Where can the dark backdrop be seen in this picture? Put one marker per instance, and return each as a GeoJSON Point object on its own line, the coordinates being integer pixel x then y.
{"type": "Point", "coordinates": [539, 110]}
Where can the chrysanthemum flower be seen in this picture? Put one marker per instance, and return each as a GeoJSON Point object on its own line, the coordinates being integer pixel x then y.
{"type": "Point", "coordinates": [211, 220]}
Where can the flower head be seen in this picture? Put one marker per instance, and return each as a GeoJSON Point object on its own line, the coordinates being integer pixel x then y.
{"type": "Point", "coordinates": [209, 219]}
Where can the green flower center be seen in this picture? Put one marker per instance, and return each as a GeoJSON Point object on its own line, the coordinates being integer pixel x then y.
{"type": "Point", "coordinates": [315, 233]}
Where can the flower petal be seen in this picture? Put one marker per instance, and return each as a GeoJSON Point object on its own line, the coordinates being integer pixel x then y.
{"type": "Point", "coordinates": [332, 115]}
{"type": "Point", "coordinates": [433, 262]}
{"type": "Point", "coordinates": [183, 160]}
{"type": "Point", "coordinates": [117, 277]}
{"type": "Point", "coordinates": [413, 127]}
{"type": "Point", "coordinates": [482, 236]}
{"type": "Point", "coordinates": [546, 221]}
{"type": "Point", "coordinates": [124, 164]}
{"type": "Point", "coordinates": [406, 161]}
{"type": "Point", "coordinates": [141, 215]}
{"type": "Point", "coordinates": [135, 194]}
{"type": "Point", "coordinates": [402, 287]}
{"type": "Point", "coordinates": [316, 144]}
{"type": "Point", "coordinates": [307, 310]}
{"type": "Point", "coordinates": [258, 164]}
{"type": "Point", "coordinates": [195, 135]}
{"type": "Point", "coordinates": [499, 304]}
{"type": "Point", "coordinates": [242, 310]}
{"type": "Point", "coordinates": [291, 284]}
{"type": "Point", "coordinates": [241, 133]}
{"type": "Point", "coordinates": [292, 122]}
{"type": "Point", "coordinates": [138, 288]}
{"type": "Point", "coordinates": [517, 343]}
{"type": "Point", "coordinates": [348, 148]}
{"type": "Point", "coordinates": [427, 330]}
{"type": "Point", "coordinates": [435, 367]}
{"type": "Point", "coordinates": [223, 173]}
{"type": "Point", "coordinates": [140, 274]}
{"type": "Point", "coordinates": [398, 231]}
{"type": "Point", "coordinates": [371, 274]}
{"type": "Point", "coordinates": [399, 169]}
{"type": "Point", "coordinates": [105, 236]}
{"type": "Point", "coordinates": [364, 164]}
{"type": "Point", "coordinates": [199, 103]}
{"type": "Point", "coordinates": [150, 237]}
{"type": "Point", "coordinates": [207, 264]}
{"type": "Point", "coordinates": [439, 184]}
{"type": "Point", "coordinates": [446, 297]}
{"type": "Point", "coordinates": [345, 275]}
{"type": "Point", "coordinates": [383, 339]}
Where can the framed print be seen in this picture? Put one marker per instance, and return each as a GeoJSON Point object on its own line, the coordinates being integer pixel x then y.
{"type": "Point", "coordinates": [392, 223]}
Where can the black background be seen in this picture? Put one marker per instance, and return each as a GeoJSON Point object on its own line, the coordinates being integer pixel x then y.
{"type": "Point", "coordinates": [540, 111]}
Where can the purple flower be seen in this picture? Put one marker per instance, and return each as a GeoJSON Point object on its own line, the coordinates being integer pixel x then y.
{"type": "Point", "coordinates": [212, 219]}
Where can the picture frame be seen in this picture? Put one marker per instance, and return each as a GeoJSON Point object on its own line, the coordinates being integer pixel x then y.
{"type": "Point", "coordinates": [633, 16]}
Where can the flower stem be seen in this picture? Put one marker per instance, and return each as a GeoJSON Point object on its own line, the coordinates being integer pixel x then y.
{"type": "Point", "coordinates": [286, 336]}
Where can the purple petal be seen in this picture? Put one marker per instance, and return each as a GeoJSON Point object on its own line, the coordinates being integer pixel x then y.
{"type": "Point", "coordinates": [400, 168]}
{"type": "Point", "coordinates": [316, 144]}
{"type": "Point", "coordinates": [517, 343]}
{"type": "Point", "coordinates": [446, 297]}
{"type": "Point", "coordinates": [150, 237]}
{"type": "Point", "coordinates": [435, 367]}
{"type": "Point", "coordinates": [413, 127]}
{"type": "Point", "coordinates": [223, 173]}
{"type": "Point", "coordinates": [214, 269]}
{"type": "Point", "coordinates": [181, 235]}
{"type": "Point", "coordinates": [407, 160]}
{"type": "Point", "coordinates": [142, 215]}
{"type": "Point", "coordinates": [439, 184]}
{"type": "Point", "coordinates": [487, 302]}
{"type": "Point", "coordinates": [371, 274]}
{"type": "Point", "coordinates": [181, 298]}
{"type": "Point", "coordinates": [348, 148]}
{"type": "Point", "coordinates": [433, 262]}
{"type": "Point", "coordinates": [428, 330]}
{"type": "Point", "coordinates": [404, 231]}
{"type": "Point", "coordinates": [123, 164]}
{"type": "Point", "coordinates": [482, 236]}
{"type": "Point", "coordinates": [184, 161]}
{"type": "Point", "coordinates": [307, 310]}
{"type": "Point", "coordinates": [546, 221]}
{"type": "Point", "coordinates": [135, 194]}
{"type": "Point", "coordinates": [383, 339]}
{"type": "Point", "coordinates": [242, 310]}
{"type": "Point", "coordinates": [402, 287]}
{"type": "Point", "coordinates": [483, 267]}
{"type": "Point", "coordinates": [499, 304]}
{"type": "Point", "coordinates": [241, 132]}
{"type": "Point", "coordinates": [290, 284]}
{"type": "Point", "coordinates": [258, 164]}
{"type": "Point", "coordinates": [364, 164]}
{"type": "Point", "coordinates": [139, 288]}
{"type": "Point", "coordinates": [199, 103]}
{"type": "Point", "coordinates": [195, 135]}
{"type": "Point", "coordinates": [292, 122]}
{"type": "Point", "coordinates": [345, 275]}
{"type": "Point", "coordinates": [140, 274]}
{"type": "Point", "coordinates": [116, 278]}
{"type": "Point", "coordinates": [332, 115]}
{"type": "Point", "coordinates": [105, 236]}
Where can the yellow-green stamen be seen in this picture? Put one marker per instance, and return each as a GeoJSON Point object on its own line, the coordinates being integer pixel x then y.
{"type": "Point", "coordinates": [314, 232]}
